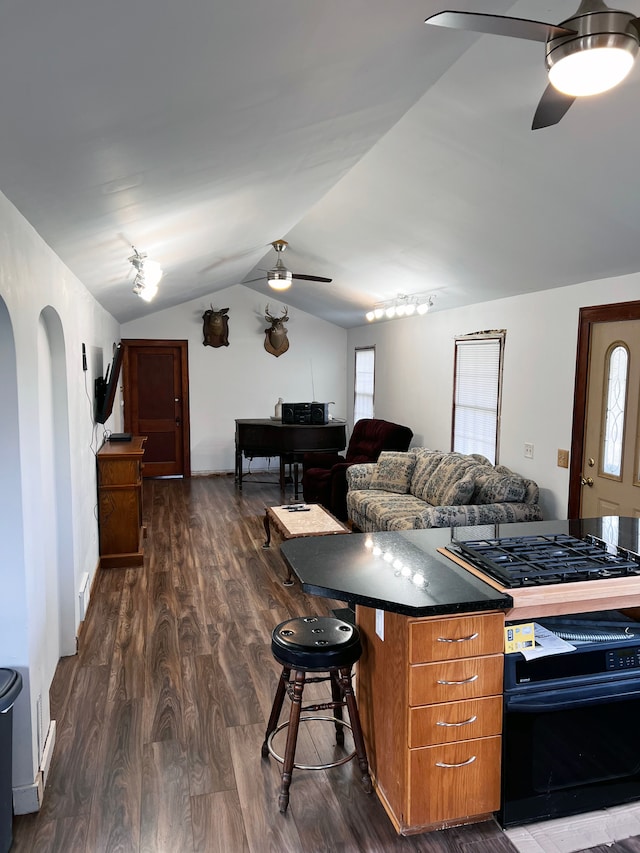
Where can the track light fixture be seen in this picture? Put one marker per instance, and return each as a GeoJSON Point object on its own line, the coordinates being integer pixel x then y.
{"type": "Point", "coordinates": [148, 274]}
{"type": "Point", "coordinates": [401, 306]}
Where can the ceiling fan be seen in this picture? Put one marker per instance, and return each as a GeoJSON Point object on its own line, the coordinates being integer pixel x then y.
{"type": "Point", "coordinates": [590, 52]}
{"type": "Point", "coordinates": [279, 277]}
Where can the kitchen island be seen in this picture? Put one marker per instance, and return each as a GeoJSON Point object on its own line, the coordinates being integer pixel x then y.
{"type": "Point", "coordinates": [430, 682]}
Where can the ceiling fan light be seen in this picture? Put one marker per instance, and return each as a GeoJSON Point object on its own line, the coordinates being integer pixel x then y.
{"type": "Point", "coordinates": [578, 70]}
{"type": "Point", "coordinates": [279, 282]}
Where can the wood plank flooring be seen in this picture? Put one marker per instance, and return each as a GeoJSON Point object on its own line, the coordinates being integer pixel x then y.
{"type": "Point", "coordinates": [161, 714]}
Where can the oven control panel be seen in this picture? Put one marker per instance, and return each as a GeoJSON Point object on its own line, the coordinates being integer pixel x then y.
{"type": "Point", "coordinates": [627, 658]}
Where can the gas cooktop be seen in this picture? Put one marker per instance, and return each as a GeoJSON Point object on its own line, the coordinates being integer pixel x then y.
{"type": "Point", "coordinates": [525, 561]}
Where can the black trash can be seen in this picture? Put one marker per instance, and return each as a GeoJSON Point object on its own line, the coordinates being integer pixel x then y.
{"type": "Point", "coordinates": [10, 687]}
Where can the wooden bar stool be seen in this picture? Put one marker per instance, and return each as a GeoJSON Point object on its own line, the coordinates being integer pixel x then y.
{"type": "Point", "coordinates": [315, 644]}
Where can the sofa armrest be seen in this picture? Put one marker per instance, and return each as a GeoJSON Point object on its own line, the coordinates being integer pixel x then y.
{"type": "Point", "coordinates": [320, 460]}
{"type": "Point", "coordinates": [359, 475]}
{"type": "Point", "coordinates": [474, 514]}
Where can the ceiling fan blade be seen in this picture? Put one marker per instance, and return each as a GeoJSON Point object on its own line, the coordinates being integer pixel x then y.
{"type": "Point", "coordinates": [552, 106]}
{"type": "Point", "coordinates": [251, 280]}
{"type": "Point", "coordinates": [311, 277]}
{"type": "Point", "coordinates": [498, 25]}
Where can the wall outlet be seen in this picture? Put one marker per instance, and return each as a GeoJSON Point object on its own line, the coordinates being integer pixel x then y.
{"type": "Point", "coordinates": [563, 458]}
{"type": "Point", "coordinates": [528, 451]}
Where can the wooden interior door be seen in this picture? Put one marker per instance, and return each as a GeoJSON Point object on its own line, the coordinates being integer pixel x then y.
{"type": "Point", "coordinates": [156, 403]}
{"type": "Point", "coordinates": [599, 484]}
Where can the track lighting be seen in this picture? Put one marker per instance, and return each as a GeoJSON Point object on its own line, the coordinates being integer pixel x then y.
{"type": "Point", "coordinates": [148, 274]}
{"type": "Point", "coordinates": [401, 306]}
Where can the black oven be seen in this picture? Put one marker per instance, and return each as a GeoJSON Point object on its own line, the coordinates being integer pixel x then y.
{"type": "Point", "coordinates": [571, 736]}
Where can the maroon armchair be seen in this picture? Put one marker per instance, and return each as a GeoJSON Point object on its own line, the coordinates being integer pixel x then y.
{"type": "Point", "coordinates": [324, 479]}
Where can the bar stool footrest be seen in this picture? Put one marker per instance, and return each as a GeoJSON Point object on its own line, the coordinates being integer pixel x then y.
{"type": "Point", "coordinates": [306, 719]}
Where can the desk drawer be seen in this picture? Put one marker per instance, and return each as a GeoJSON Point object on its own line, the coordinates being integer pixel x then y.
{"type": "Point", "coordinates": [468, 784]}
{"type": "Point", "coordinates": [450, 681]}
{"type": "Point", "coordinates": [453, 721]}
{"type": "Point", "coordinates": [458, 637]}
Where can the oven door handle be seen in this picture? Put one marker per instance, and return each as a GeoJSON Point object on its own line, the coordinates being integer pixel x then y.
{"type": "Point", "coordinates": [577, 697]}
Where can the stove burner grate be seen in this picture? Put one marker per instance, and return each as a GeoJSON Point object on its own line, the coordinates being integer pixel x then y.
{"type": "Point", "coordinates": [538, 560]}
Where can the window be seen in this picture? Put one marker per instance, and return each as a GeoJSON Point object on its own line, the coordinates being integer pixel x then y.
{"type": "Point", "coordinates": [617, 379]}
{"type": "Point", "coordinates": [364, 383]}
{"type": "Point", "coordinates": [476, 393]}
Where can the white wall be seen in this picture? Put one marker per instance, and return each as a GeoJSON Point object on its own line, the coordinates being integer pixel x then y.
{"type": "Point", "coordinates": [414, 374]}
{"type": "Point", "coordinates": [243, 380]}
{"type": "Point", "coordinates": [45, 315]}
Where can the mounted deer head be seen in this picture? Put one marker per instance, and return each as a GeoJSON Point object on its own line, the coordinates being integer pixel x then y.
{"type": "Point", "coordinates": [275, 337]}
{"type": "Point", "coordinates": [215, 327]}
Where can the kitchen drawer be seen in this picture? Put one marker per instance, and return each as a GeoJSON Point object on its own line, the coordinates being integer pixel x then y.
{"type": "Point", "coordinates": [450, 681]}
{"type": "Point", "coordinates": [458, 637]}
{"type": "Point", "coordinates": [453, 721]}
{"type": "Point", "coordinates": [468, 784]}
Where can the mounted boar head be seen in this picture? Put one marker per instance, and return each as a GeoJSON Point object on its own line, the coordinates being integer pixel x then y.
{"type": "Point", "coordinates": [215, 327]}
{"type": "Point", "coordinates": [275, 337]}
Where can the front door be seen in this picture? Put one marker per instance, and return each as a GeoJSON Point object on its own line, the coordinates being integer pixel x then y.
{"type": "Point", "coordinates": [607, 479]}
{"type": "Point", "coordinates": [156, 403]}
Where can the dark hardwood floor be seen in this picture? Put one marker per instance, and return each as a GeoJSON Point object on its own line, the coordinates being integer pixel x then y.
{"type": "Point", "coordinates": [161, 714]}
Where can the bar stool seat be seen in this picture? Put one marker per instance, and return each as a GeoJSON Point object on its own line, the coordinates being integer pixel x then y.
{"type": "Point", "coordinates": [315, 644]}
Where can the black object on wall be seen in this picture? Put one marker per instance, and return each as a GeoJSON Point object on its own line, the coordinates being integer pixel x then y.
{"type": "Point", "coordinates": [105, 389]}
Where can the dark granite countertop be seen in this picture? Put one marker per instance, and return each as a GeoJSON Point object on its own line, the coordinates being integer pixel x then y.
{"type": "Point", "coordinates": [398, 572]}
{"type": "Point", "coordinates": [403, 572]}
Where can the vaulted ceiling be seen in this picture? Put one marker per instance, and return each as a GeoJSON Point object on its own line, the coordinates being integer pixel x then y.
{"type": "Point", "coordinates": [393, 157]}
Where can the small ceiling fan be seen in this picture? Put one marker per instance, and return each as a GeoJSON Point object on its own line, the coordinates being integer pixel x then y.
{"type": "Point", "coordinates": [279, 277]}
{"type": "Point", "coordinates": [588, 53]}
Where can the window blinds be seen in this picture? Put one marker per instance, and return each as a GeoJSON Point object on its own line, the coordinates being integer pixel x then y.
{"type": "Point", "coordinates": [364, 383]}
{"type": "Point", "coordinates": [477, 395]}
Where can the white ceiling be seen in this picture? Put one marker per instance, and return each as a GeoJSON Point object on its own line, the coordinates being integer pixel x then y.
{"type": "Point", "coordinates": [394, 157]}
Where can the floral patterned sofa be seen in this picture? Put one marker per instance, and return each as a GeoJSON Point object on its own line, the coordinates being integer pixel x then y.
{"type": "Point", "coordinates": [432, 488]}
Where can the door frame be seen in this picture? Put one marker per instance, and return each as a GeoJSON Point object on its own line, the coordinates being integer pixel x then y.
{"type": "Point", "coordinates": [588, 316]}
{"type": "Point", "coordinates": [182, 345]}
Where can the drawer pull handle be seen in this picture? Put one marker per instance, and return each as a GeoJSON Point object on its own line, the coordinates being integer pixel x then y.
{"type": "Point", "coordinates": [459, 639]}
{"type": "Point", "coordinates": [462, 763]}
{"type": "Point", "coordinates": [463, 723]}
{"type": "Point", "coordinates": [465, 681]}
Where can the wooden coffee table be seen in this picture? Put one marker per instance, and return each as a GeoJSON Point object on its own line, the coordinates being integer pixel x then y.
{"type": "Point", "coordinates": [290, 523]}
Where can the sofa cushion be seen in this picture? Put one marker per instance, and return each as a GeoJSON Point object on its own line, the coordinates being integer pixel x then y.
{"type": "Point", "coordinates": [453, 481]}
{"type": "Point", "coordinates": [494, 487]}
{"type": "Point", "coordinates": [393, 471]}
{"type": "Point", "coordinates": [426, 463]}
{"type": "Point", "coordinates": [532, 491]}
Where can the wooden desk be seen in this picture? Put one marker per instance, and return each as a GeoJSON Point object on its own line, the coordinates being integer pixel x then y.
{"type": "Point", "coordinates": [262, 437]}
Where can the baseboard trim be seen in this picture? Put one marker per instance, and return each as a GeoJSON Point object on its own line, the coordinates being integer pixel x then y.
{"type": "Point", "coordinates": [28, 798]}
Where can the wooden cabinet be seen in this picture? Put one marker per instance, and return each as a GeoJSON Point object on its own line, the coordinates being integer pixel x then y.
{"type": "Point", "coordinates": [120, 503]}
{"type": "Point", "coordinates": [430, 698]}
